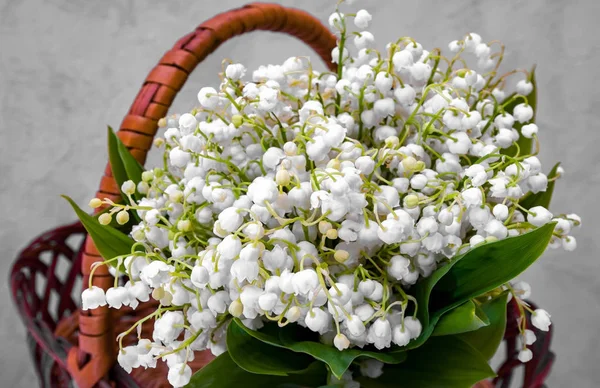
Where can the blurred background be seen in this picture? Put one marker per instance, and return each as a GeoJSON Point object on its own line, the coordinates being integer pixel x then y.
{"type": "Point", "coordinates": [68, 68]}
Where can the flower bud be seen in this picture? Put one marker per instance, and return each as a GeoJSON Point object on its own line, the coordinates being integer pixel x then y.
{"type": "Point", "coordinates": [95, 203]}
{"type": "Point", "coordinates": [290, 148]}
{"type": "Point", "coordinates": [158, 293]}
{"type": "Point", "coordinates": [341, 255]}
{"type": "Point", "coordinates": [500, 211]}
{"type": "Point", "coordinates": [324, 227]}
{"type": "Point", "coordinates": [147, 176]}
{"type": "Point", "coordinates": [104, 218]}
{"type": "Point", "coordinates": [282, 178]}
{"type": "Point", "coordinates": [529, 337]}
{"type": "Point", "coordinates": [184, 225]}
{"type": "Point", "coordinates": [525, 355]}
{"type": "Point", "coordinates": [334, 163]}
{"type": "Point", "coordinates": [159, 142]}
{"type": "Point", "coordinates": [293, 314]}
{"type": "Point", "coordinates": [392, 142]}
{"type": "Point", "coordinates": [236, 308]}
{"type": "Point", "coordinates": [411, 201]}
{"type": "Point", "coordinates": [143, 187]}
{"type": "Point", "coordinates": [332, 234]}
{"type": "Point", "coordinates": [122, 217]}
{"type": "Point", "coordinates": [128, 187]}
{"type": "Point", "coordinates": [138, 235]}
{"type": "Point", "coordinates": [176, 196]}
{"type": "Point", "coordinates": [569, 243]}
{"type": "Point", "coordinates": [341, 342]}
{"type": "Point", "coordinates": [409, 163]}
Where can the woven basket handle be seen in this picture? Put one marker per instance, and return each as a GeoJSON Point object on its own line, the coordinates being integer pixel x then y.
{"type": "Point", "coordinates": [90, 361]}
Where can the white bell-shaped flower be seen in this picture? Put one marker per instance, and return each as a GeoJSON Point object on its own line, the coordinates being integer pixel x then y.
{"type": "Point", "coordinates": [317, 320]}
{"type": "Point", "coordinates": [539, 216]}
{"type": "Point", "coordinates": [355, 325]}
{"type": "Point", "coordinates": [156, 274]}
{"type": "Point", "coordinates": [179, 375]}
{"type": "Point", "coordinates": [117, 297]}
{"type": "Point", "coordinates": [399, 267]}
{"type": "Point", "coordinates": [400, 335]}
{"type": "Point", "coordinates": [305, 281]}
{"type": "Point", "coordinates": [168, 327]}
{"type": "Point", "coordinates": [380, 333]}
{"type": "Point", "coordinates": [92, 298]}
{"type": "Point", "coordinates": [128, 358]}
{"type": "Point", "coordinates": [341, 342]}
{"type": "Point", "coordinates": [541, 319]}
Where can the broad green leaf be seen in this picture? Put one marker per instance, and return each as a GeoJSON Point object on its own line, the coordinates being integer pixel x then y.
{"type": "Point", "coordinates": [223, 372]}
{"type": "Point", "coordinates": [524, 143]}
{"type": "Point", "coordinates": [338, 361]}
{"type": "Point", "coordinates": [489, 266]}
{"type": "Point", "coordinates": [132, 167]}
{"type": "Point", "coordinates": [441, 362]}
{"type": "Point", "coordinates": [487, 339]}
{"type": "Point", "coordinates": [542, 198]}
{"type": "Point", "coordinates": [256, 356]}
{"type": "Point", "coordinates": [123, 165]}
{"type": "Point", "coordinates": [464, 318]}
{"type": "Point", "coordinates": [108, 240]}
{"type": "Point", "coordinates": [114, 158]}
{"type": "Point", "coordinates": [474, 273]}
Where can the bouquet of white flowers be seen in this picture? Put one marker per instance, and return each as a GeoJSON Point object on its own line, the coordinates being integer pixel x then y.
{"type": "Point", "coordinates": [336, 228]}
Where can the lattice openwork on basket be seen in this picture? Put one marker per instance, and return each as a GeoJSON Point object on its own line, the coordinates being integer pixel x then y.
{"type": "Point", "coordinates": [69, 345]}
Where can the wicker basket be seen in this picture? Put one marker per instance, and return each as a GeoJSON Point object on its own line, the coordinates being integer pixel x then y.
{"type": "Point", "coordinates": [70, 345]}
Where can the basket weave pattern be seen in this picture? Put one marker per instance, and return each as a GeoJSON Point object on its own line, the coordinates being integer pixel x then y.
{"type": "Point", "coordinates": [71, 344]}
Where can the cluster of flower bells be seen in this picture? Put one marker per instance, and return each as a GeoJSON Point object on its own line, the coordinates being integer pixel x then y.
{"type": "Point", "coordinates": [318, 199]}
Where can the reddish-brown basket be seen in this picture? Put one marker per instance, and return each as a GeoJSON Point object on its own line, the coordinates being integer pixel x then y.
{"type": "Point", "coordinates": [71, 345]}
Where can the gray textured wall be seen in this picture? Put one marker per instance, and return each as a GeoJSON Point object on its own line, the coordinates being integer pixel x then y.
{"type": "Point", "coordinates": [69, 67]}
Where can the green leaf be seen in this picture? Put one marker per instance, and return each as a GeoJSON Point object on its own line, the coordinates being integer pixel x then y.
{"type": "Point", "coordinates": [123, 165]}
{"type": "Point", "coordinates": [256, 356]}
{"type": "Point", "coordinates": [474, 273]}
{"type": "Point", "coordinates": [487, 339]}
{"type": "Point", "coordinates": [288, 337]}
{"type": "Point", "coordinates": [464, 318]}
{"type": "Point", "coordinates": [542, 198]}
{"type": "Point", "coordinates": [114, 158]}
{"type": "Point", "coordinates": [489, 266]}
{"type": "Point", "coordinates": [132, 167]}
{"type": "Point", "coordinates": [441, 362]}
{"type": "Point", "coordinates": [108, 240]}
{"type": "Point", "coordinates": [524, 143]}
{"type": "Point", "coordinates": [223, 372]}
